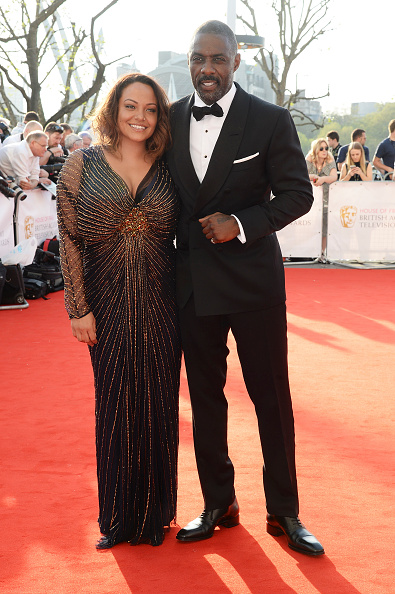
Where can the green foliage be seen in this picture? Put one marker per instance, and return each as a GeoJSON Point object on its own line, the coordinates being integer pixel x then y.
{"type": "Point", "coordinates": [305, 142]}
{"type": "Point", "coordinates": [375, 124]}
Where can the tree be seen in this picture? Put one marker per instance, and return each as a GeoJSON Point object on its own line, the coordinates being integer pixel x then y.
{"type": "Point", "coordinates": [375, 124]}
{"type": "Point", "coordinates": [31, 30]}
{"type": "Point", "coordinates": [299, 24]}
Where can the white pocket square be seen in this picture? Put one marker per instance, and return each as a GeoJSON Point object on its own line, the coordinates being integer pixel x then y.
{"type": "Point", "coordinates": [246, 158]}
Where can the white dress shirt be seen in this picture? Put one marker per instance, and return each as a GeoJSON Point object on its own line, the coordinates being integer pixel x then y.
{"type": "Point", "coordinates": [17, 160]}
{"type": "Point", "coordinates": [203, 136]}
{"type": "Point", "coordinates": [12, 139]}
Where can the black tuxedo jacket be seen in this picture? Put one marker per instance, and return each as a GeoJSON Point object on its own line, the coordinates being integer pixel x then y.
{"type": "Point", "coordinates": [257, 152]}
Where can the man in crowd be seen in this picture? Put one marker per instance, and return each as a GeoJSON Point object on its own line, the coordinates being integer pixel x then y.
{"type": "Point", "coordinates": [384, 157]}
{"type": "Point", "coordinates": [357, 135]}
{"type": "Point", "coordinates": [228, 154]}
{"type": "Point", "coordinates": [86, 139]}
{"type": "Point", "coordinates": [67, 130]}
{"type": "Point", "coordinates": [72, 143]}
{"type": "Point", "coordinates": [54, 132]}
{"type": "Point", "coordinates": [21, 160]}
{"type": "Point", "coordinates": [29, 116]}
{"type": "Point", "coordinates": [332, 139]}
{"type": "Point", "coordinates": [31, 126]}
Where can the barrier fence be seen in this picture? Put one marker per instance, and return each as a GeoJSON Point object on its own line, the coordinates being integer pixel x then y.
{"type": "Point", "coordinates": [361, 223]}
{"type": "Point", "coordinates": [303, 237]}
{"type": "Point", "coordinates": [33, 217]}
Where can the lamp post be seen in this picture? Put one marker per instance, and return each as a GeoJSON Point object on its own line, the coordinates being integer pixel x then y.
{"type": "Point", "coordinates": [244, 42]}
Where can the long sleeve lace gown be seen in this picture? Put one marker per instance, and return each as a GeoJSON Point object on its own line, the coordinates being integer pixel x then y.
{"type": "Point", "coordinates": [118, 258]}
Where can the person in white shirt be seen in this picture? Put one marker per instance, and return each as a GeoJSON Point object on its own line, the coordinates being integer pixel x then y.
{"type": "Point", "coordinates": [29, 116]}
{"type": "Point", "coordinates": [21, 160]}
{"type": "Point", "coordinates": [30, 127]}
{"type": "Point", "coordinates": [230, 150]}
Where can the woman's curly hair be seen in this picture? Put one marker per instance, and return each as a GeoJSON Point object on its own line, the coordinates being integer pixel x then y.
{"type": "Point", "coordinates": [105, 118]}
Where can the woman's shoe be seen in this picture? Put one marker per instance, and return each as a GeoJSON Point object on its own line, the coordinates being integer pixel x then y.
{"type": "Point", "coordinates": [105, 542]}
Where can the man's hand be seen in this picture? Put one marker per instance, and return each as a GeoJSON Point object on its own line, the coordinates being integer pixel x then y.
{"type": "Point", "coordinates": [220, 227]}
{"type": "Point", "coordinates": [84, 329]}
{"type": "Point", "coordinates": [57, 151]}
{"type": "Point", "coordinates": [26, 184]}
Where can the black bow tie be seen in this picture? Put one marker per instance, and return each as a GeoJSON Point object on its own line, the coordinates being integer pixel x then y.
{"type": "Point", "coordinates": [199, 112]}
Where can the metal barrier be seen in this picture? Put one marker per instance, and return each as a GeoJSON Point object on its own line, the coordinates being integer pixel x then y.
{"type": "Point", "coordinates": [33, 217]}
{"type": "Point", "coordinates": [361, 224]}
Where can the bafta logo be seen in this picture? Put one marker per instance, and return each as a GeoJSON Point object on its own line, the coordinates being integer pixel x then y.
{"type": "Point", "coordinates": [348, 215]}
{"type": "Point", "coordinates": [29, 227]}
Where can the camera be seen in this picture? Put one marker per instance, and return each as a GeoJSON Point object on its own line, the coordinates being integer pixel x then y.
{"type": "Point", "coordinates": [9, 188]}
{"type": "Point", "coordinates": [55, 168]}
{"type": "Point", "coordinates": [18, 192]}
{"type": "Point", "coordinates": [4, 188]}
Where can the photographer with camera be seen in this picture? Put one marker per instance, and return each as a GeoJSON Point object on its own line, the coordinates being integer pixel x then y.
{"type": "Point", "coordinates": [21, 160]}
{"type": "Point", "coordinates": [54, 157]}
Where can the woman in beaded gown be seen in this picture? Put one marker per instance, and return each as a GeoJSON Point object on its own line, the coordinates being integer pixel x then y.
{"type": "Point", "coordinates": [117, 212]}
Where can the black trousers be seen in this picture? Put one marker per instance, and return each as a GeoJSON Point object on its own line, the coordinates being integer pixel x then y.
{"type": "Point", "coordinates": [261, 338]}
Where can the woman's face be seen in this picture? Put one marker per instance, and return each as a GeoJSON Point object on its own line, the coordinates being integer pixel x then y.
{"type": "Point", "coordinates": [137, 112]}
{"type": "Point", "coordinates": [323, 150]}
{"type": "Point", "coordinates": [355, 155]}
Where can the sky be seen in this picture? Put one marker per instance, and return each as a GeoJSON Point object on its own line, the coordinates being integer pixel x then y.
{"type": "Point", "coordinates": [356, 58]}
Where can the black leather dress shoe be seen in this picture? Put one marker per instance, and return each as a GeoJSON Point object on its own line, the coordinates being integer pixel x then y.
{"type": "Point", "coordinates": [299, 538]}
{"type": "Point", "coordinates": [203, 527]}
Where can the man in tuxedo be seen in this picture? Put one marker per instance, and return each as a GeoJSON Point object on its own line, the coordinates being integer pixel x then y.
{"type": "Point", "coordinates": [230, 151]}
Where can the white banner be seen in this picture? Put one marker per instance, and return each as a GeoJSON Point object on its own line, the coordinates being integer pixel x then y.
{"type": "Point", "coordinates": [303, 237]}
{"type": "Point", "coordinates": [6, 224]}
{"type": "Point", "coordinates": [36, 216]}
{"type": "Point", "coordinates": [361, 221]}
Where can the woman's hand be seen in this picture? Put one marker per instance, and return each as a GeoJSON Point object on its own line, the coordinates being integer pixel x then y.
{"type": "Point", "coordinates": [84, 329]}
{"type": "Point", "coordinates": [319, 181]}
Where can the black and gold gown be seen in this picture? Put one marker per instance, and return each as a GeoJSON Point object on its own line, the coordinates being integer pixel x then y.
{"type": "Point", "coordinates": [118, 261]}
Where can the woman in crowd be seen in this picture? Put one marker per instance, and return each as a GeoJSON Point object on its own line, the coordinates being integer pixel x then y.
{"type": "Point", "coordinates": [355, 167]}
{"type": "Point", "coordinates": [321, 166]}
{"type": "Point", "coordinates": [117, 211]}
{"type": "Point", "coordinates": [322, 171]}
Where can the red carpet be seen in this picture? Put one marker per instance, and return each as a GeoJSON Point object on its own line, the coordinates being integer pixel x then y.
{"type": "Point", "coordinates": [341, 354]}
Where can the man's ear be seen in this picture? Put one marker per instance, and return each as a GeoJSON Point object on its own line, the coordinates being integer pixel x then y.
{"type": "Point", "coordinates": [237, 62]}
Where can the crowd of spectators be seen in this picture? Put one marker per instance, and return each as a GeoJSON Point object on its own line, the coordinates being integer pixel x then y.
{"type": "Point", "coordinates": [31, 155]}
{"type": "Point", "coordinates": [383, 160]}
{"type": "Point", "coordinates": [328, 160]}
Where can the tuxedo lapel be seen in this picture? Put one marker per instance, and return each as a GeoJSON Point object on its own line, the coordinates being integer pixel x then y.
{"type": "Point", "coordinates": [225, 150]}
{"type": "Point", "coordinates": [184, 165]}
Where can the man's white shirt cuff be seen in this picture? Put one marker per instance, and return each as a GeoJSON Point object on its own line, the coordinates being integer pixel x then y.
{"type": "Point", "coordinates": [241, 236]}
